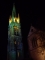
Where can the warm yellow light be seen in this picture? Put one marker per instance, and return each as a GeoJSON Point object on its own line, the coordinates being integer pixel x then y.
{"type": "Point", "coordinates": [10, 20]}
{"type": "Point", "coordinates": [15, 27]}
{"type": "Point", "coordinates": [18, 54]}
{"type": "Point", "coordinates": [14, 19]}
{"type": "Point", "coordinates": [18, 20]}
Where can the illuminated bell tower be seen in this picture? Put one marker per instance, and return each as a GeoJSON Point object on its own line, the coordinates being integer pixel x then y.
{"type": "Point", "coordinates": [15, 45]}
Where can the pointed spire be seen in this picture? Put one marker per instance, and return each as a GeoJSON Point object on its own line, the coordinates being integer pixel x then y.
{"type": "Point", "coordinates": [18, 15]}
{"type": "Point", "coordinates": [10, 19]}
{"type": "Point", "coordinates": [18, 18]}
{"type": "Point", "coordinates": [14, 11]}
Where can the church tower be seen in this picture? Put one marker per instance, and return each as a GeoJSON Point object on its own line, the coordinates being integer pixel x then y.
{"type": "Point", "coordinates": [15, 45]}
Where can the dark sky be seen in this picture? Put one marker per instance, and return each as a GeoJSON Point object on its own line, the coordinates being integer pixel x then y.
{"type": "Point", "coordinates": [29, 12]}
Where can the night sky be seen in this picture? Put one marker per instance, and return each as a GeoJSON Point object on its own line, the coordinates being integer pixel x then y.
{"type": "Point", "coordinates": [30, 13]}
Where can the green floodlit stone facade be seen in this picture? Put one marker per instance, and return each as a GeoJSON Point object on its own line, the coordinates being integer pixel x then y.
{"type": "Point", "coordinates": [15, 45]}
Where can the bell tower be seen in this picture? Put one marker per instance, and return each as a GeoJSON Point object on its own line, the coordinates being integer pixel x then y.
{"type": "Point", "coordinates": [15, 45]}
